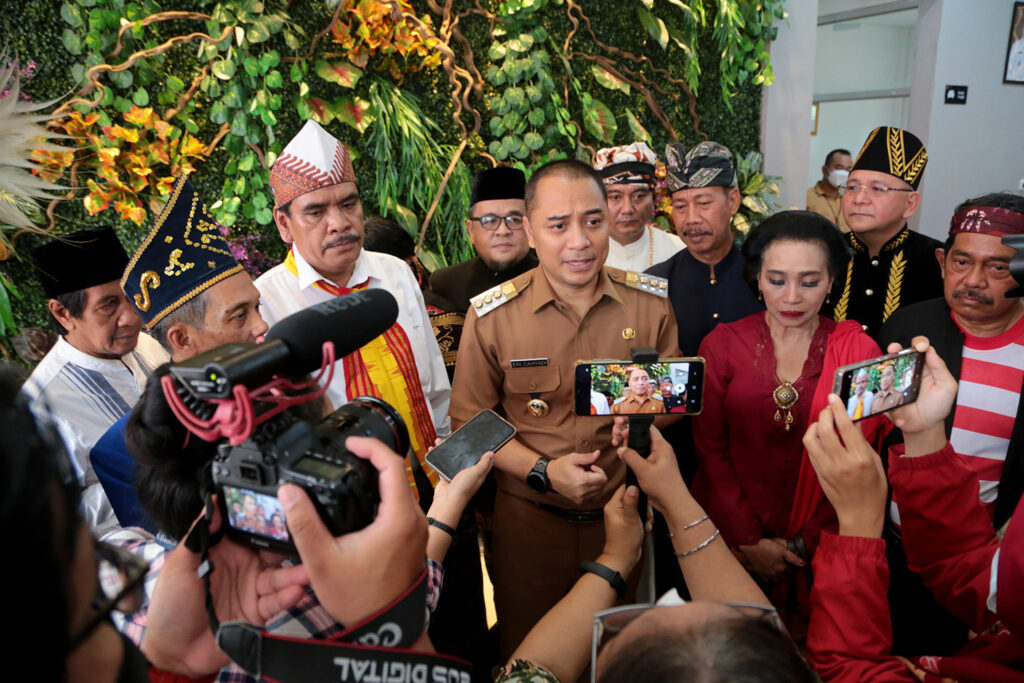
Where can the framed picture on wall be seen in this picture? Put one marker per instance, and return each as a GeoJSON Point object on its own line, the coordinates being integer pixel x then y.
{"type": "Point", "coordinates": [1014, 70]}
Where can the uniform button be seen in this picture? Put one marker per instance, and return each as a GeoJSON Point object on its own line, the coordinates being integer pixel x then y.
{"type": "Point", "coordinates": [585, 443]}
{"type": "Point", "coordinates": [715, 316]}
{"type": "Point", "coordinates": [864, 327]}
{"type": "Point", "coordinates": [714, 281]}
{"type": "Point", "coordinates": [532, 385]}
{"type": "Point", "coordinates": [874, 262]}
{"type": "Point", "coordinates": [869, 292]}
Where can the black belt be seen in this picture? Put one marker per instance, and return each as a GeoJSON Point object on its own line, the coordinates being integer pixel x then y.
{"type": "Point", "coordinates": [574, 516]}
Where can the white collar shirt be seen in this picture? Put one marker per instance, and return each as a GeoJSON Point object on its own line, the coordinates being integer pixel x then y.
{"type": "Point", "coordinates": [654, 246]}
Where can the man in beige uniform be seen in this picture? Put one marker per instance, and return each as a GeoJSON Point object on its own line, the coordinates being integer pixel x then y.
{"type": "Point", "coordinates": [641, 400]}
{"type": "Point", "coordinates": [887, 396]}
{"type": "Point", "coordinates": [521, 342]}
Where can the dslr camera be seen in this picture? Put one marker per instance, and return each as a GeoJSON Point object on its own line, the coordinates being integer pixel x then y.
{"type": "Point", "coordinates": [342, 486]}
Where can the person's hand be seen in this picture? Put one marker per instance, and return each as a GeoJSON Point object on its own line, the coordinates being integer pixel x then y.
{"type": "Point", "coordinates": [178, 637]}
{"type": "Point", "coordinates": [576, 477]}
{"type": "Point", "coordinates": [623, 531]}
{"type": "Point", "coordinates": [358, 574]}
{"type": "Point", "coordinates": [451, 498]}
{"type": "Point", "coordinates": [770, 558]}
{"type": "Point", "coordinates": [936, 396]}
{"type": "Point", "coordinates": [658, 474]}
{"type": "Point", "coordinates": [851, 475]}
{"type": "Point", "coordinates": [620, 431]}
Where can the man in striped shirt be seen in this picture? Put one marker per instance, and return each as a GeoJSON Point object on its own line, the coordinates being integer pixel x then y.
{"type": "Point", "coordinates": [979, 332]}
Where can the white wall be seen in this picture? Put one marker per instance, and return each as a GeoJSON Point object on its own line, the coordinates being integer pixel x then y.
{"type": "Point", "coordinates": [856, 56]}
{"type": "Point", "coordinates": [786, 105]}
{"type": "Point", "coordinates": [977, 147]}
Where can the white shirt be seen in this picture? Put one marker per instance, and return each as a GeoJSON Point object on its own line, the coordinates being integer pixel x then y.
{"type": "Point", "coordinates": [638, 255]}
{"type": "Point", "coordinates": [282, 293]}
{"type": "Point", "coordinates": [84, 396]}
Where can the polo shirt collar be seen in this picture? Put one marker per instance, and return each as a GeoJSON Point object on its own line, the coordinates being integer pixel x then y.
{"type": "Point", "coordinates": [308, 276]}
{"type": "Point", "coordinates": [70, 354]}
{"type": "Point", "coordinates": [542, 293]}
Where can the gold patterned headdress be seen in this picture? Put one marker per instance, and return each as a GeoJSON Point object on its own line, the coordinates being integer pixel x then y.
{"type": "Point", "coordinates": [894, 151]}
{"type": "Point", "coordinates": [184, 254]}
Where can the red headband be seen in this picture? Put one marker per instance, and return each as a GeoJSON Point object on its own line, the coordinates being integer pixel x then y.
{"type": "Point", "coordinates": [987, 220]}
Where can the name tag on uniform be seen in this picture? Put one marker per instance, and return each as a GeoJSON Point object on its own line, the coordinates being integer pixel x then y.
{"type": "Point", "coordinates": [530, 363]}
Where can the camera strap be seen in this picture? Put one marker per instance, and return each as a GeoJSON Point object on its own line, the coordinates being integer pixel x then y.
{"type": "Point", "coordinates": [375, 650]}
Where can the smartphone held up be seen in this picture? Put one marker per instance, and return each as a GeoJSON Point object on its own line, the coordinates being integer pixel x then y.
{"type": "Point", "coordinates": [621, 387]}
{"type": "Point", "coordinates": [876, 386]}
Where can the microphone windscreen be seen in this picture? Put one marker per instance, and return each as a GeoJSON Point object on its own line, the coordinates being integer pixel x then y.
{"type": "Point", "coordinates": [350, 321]}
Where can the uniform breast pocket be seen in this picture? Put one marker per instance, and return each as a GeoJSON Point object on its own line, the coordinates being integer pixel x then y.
{"type": "Point", "coordinates": [529, 381]}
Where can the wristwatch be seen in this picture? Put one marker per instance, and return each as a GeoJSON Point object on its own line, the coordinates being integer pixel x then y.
{"type": "Point", "coordinates": [537, 479]}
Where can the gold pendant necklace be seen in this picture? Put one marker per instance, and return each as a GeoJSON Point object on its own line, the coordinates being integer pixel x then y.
{"type": "Point", "coordinates": [785, 396]}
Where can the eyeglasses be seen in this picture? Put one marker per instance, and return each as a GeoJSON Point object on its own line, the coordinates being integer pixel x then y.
{"type": "Point", "coordinates": [491, 221]}
{"type": "Point", "coordinates": [610, 622]}
{"type": "Point", "coordinates": [120, 586]}
{"type": "Point", "coordinates": [874, 191]}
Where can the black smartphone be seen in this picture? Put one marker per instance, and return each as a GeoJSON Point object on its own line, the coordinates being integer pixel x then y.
{"type": "Point", "coordinates": [875, 386]}
{"type": "Point", "coordinates": [485, 432]}
{"type": "Point", "coordinates": [622, 387]}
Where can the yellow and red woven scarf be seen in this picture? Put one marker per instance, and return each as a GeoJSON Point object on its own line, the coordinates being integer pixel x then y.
{"type": "Point", "coordinates": [386, 369]}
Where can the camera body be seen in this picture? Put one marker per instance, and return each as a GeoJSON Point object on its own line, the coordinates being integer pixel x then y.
{"type": "Point", "coordinates": [342, 486]}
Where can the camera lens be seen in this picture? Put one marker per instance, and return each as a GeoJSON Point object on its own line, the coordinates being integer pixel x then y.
{"type": "Point", "coordinates": [372, 417]}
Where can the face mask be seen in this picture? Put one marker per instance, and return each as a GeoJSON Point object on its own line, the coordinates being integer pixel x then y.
{"type": "Point", "coordinates": [837, 178]}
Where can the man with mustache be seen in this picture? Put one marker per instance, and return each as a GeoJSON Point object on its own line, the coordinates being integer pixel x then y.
{"type": "Point", "coordinates": [495, 227]}
{"type": "Point", "coordinates": [891, 265]}
{"type": "Point", "coordinates": [705, 280]}
{"type": "Point", "coordinates": [518, 349]}
{"type": "Point", "coordinates": [628, 173]}
{"type": "Point", "coordinates": [319, 214]}
{"type": "Point", "coordinates": [977, 328]}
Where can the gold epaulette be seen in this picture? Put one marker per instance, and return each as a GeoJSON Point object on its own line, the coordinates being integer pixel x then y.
{"type": "Point", "coordinates": [652, 284]}
{"type": "Point", "coordinates": [487, 301]}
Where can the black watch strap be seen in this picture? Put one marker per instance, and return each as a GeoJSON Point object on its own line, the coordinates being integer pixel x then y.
{"type": "Point", "coordinates": [607, 573]}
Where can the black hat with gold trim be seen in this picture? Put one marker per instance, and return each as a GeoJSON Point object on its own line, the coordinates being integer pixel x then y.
{"type": "Point", "coordinates": [80, 260]}
{"type": "Point", "coordinates": [184, 254]}
{"type": "Point", "coordinates": [894, 151]}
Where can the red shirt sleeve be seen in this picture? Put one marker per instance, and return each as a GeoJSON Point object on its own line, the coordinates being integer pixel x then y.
{"type": "Point", "coordinates": [947, 533]}
{"type": "Point", "coordinates": [850, 633]}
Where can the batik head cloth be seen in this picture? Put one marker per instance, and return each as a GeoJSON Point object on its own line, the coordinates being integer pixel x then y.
{"type": "Point", "coordinates": [183, 255]}
{"type": "Point", "coordinates": [80, 260]}
{"type": "Point", "coordinates": [633, 164]}
{"type": "Point", "coordinates": [894, 151]}
{"type": "Point", "coordinates": [313, 159]}
{"type": "Point", "coordinates": [987, 220]}
{"type": "Point", "coordinates": [706, 164]}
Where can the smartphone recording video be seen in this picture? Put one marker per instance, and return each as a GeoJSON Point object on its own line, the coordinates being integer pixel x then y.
{"type": "Point", "coordinates": [618, 387]}
{"type": "Point", "coordinates": [878, 385]}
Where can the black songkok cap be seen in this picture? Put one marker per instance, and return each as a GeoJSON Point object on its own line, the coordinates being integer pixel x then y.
{"type": "Point", "coordinates": [80, 260]}
{"type": "Point", "coordinates": [500, 182]}
{"type": "Point", "coordinates": [894, 151]}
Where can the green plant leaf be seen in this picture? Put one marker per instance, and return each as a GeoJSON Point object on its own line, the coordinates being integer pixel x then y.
{"type": "Point", "coordinates": [258, 31]}
{"type": "Point", "coordinates": [607, 79]}
{"type": "Point", "coordinates": [599, 121]}
{"type": "Point", "coordinates": [274, 79]}
{"type": "Point", "coordinates": [264, 216]}
{"type": "Point", "coordinates": [533, 140]}
{"type": "Point", "coordinates": [688, 11]}
{"type": "Point", "coordinates": [72, 42]}
{"type": "Point", "coordinates": [122, 79]}
{"type": "Point", "coordinates": [175, 84]}
{"type": "Point", "coordinates": [223, 69]}
{"type": "Point", "coordinates": [637, 128]}
{"type": "Point", "coordinates": [251, 66]}
{"type": "Point", "coordinates": [536, 117]}
{"type": "Point", "coordinates": [140, 97]}
{"type": "Point", "coordinates": [655, 26]}
{"type": "Point", "coordinates": [341, 72]}
{"type": "Point", "coordinates": [354, 111]}
{"type": "Point", "coordinates": [756, 204]}
{"type": "Point", "coordinates": [71, 14]}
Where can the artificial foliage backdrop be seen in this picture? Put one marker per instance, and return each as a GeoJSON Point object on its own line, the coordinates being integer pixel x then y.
{"type": "Point", "coordinates": [423, 93]}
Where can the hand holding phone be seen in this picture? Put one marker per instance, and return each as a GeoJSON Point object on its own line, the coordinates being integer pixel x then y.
{"type": "Point", "coordinates": [486, 431]}
{"type": "Point", "coordinates": [878, 385]}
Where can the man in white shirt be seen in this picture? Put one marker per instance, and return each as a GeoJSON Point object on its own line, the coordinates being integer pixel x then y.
{"type": "Point", "coordinates": [319, 213]}
{"type": "Point", "coordinates": [628, 173]}
{"type": "Point", "coordinates": [98, 368]}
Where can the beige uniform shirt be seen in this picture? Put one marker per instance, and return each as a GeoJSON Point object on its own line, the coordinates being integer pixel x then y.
{"type": "Point", "coordinates": [829, 206]}
{"type": "Point", "coordinates": [527, 347]}
{"type": "Point", "coordinates": [632, 406]}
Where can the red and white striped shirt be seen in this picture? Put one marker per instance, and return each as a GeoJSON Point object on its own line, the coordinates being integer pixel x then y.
{"type": "Point", "coordinates": [986, 405]}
